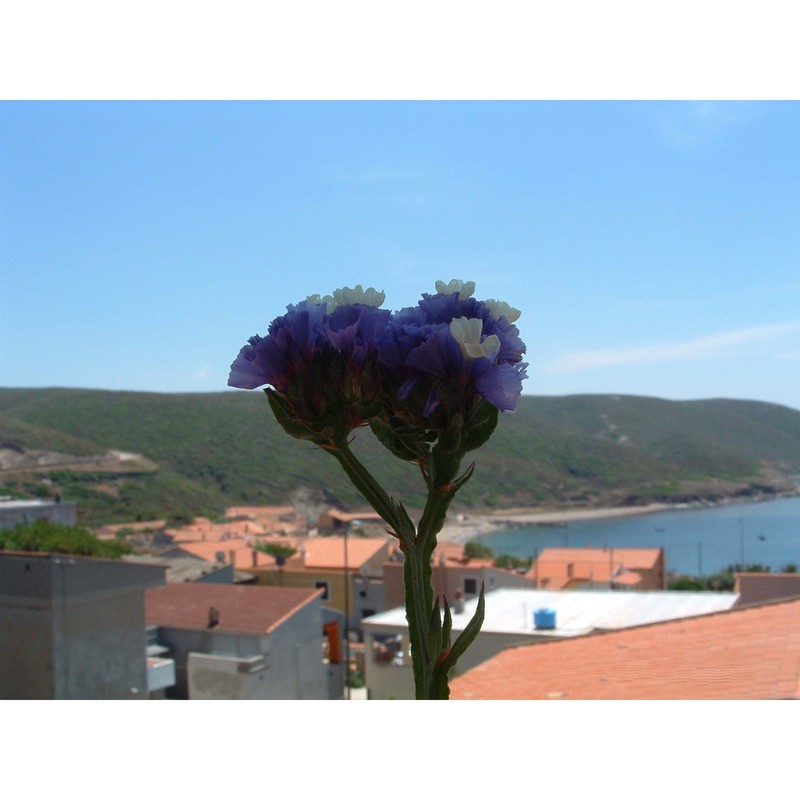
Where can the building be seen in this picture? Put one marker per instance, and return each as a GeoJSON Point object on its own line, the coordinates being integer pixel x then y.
{"type": "Point", "coordinates": [74, 628]}
{"type": "Point", "coordinates": [348, 570]}
{"type": "Point", "coordinates": [454, 576]}
{"type": "Point", "coordinates": [248, 642]}
{"type": "Point", "coordinates": [189, 568]}
{"type": "Point", "coordinates": [335, 521]}
{"type": "Point", "coordinates": [642, 569]}
{"type": "Point", "coordinates": [21, 512]}
{"type": "Point", "coordinates": [750, 653]}
{"type": "Point", "coordinates": [512, 618]}
{"type": "Point", "coordinates": [758, 587]}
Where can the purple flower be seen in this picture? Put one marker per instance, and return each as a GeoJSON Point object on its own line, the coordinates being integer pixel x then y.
{"type": "Point", "coordinates": [319, 361]}
{"type": "Point", "coordinates": [448, 351]}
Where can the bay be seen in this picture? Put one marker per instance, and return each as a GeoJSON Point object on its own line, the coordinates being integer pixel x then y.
{"type": "Point", "coordinates": [696, 541]}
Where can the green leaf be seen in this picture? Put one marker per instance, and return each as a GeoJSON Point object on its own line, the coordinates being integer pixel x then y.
{"type": "Point", "coordinates": [283, 414]}
{"type": "Point", "coordinates": [480, 425]}
{"type": "Point", "coordinates": [467, 636]}
{"type": "Point", "coordinates": [462, 479]}
{"type": "Point", "coordinates": [435, 638]}
{"type": "Point", "coordinates": [447, 628]}
{"type": "Point", "coordinates": [406, 444]}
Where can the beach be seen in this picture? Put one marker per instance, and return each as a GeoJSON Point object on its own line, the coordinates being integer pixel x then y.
{"type": "Point", "coordinates": [464, 527]}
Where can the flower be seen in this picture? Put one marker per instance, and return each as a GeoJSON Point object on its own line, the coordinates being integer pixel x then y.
{"type": "Point", "coordinates": [319, 362]}
{"type": "Point", "coordinates": [444, 354]}
{"type": "Point", "coordinates": [467, 332]}
{"type": "Point", "coordinates": [497, 309]}
{"type": "Point", "coordinates": [463, 289]}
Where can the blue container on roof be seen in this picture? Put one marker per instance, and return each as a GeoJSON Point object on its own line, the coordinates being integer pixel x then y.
{"type": "Point", "coordinates": [544, 619]}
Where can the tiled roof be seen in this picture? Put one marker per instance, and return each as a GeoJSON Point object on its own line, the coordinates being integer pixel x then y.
{"type": "Point", "coordinates": [244, 609]}
{"type": "Point", "coordinates": [327, 552]}
{"type": "Point", "coordinates": [630, 557]}
{"type": "Point", "coordinates": [345, 516]}
{"type": "Point", "coordinates": [555, 564]}
{"type": "Point", "coordinates": [744, 653]}
{"type": "Point", "coordinates": [243, 553]}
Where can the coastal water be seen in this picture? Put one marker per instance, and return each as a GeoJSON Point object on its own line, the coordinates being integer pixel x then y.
{"type": "Point", "coordinates": [696, 541]}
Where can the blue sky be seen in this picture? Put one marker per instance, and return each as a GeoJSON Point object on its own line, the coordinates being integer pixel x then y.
{"type": "Point", "coordinates": [652, 247]}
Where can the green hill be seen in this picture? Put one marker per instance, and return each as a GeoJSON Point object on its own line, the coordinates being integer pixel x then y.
{"type": "Point", "coordinates": [203, 452]}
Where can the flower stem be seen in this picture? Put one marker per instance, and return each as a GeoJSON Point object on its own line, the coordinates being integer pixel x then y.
{"type": "Point", "coordinates": [417, 544]}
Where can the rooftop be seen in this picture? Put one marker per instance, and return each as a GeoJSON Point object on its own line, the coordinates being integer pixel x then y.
{"type": "Point", "coordinates": [242, 609]}
{"type": "Point", "coordinates": [577, 613]}
{"type": "Point", "coordinates": [739, 654]}
{"type": "Point", "coordinates": [328, 552]}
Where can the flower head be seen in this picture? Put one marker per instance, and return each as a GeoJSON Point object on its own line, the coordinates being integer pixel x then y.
{"type": "Point", "coordinates": [319, 361]}
{"type": "Point", "coordinates": [446, 353]}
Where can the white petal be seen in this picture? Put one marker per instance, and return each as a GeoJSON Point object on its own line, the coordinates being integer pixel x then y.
{"type": "Point", "coordinates": [497, 309]}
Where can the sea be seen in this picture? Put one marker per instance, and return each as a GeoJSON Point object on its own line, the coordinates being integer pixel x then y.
{"type": "Point", "coordinates": [696, 541]}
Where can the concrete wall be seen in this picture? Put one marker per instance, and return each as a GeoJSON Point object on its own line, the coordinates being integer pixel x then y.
{"type": "Point", "coordinates": [19, 512]}
{"type": "Point", "coordinates": [73, 628]}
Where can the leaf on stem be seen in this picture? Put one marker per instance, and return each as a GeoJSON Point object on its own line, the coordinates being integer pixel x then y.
{"type": "Point", "coordinates": [466, 637]}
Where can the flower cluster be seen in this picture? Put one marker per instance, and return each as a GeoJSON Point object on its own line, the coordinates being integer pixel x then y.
{"type": "Point", "coordinates": [450, 349]}
{"type": "Point", "coordinates": [319, 361]}
{"type": "Point", "coordinates": [430, 381]}
{"type": "Point", "coordinates": [339, 361]}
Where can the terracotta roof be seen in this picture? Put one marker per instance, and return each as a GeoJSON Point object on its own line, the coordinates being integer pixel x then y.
{"type": "Point", "coordinates": [561, 565]}
{"type": "Point", "coordinates": [244, 609]}
{"type": "Point", "coordinates": [327, 552]}
{"type": "Point", "coordinates": [744, 653]}
{"type": "Point", "coordinates": [630, 557]}
{"type": "Point", "coordinates": [242, 550]}
{"type": "Point", "coordinates": [344, 516]}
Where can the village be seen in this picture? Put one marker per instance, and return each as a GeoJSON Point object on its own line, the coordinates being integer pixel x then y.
{"type": "Point", "coordinates": [267, 604]}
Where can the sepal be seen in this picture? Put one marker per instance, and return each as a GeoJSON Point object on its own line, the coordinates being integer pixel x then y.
{"type": "Point", "coordinates": [288, 421]}
{"type": "Point", "coordinates": [479, 425]}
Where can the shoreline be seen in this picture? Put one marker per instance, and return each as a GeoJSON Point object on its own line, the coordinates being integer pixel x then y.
{"type": "Point", "coordinates": [466, 526]}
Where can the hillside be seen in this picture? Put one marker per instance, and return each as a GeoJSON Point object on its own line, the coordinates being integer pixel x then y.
{"type": "Point", "coordinates": [184, 454]}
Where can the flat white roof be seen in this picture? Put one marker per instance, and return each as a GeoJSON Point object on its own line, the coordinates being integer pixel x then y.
{"type": "Point", "coordinates": [510, 611]}
{"type": "Point", "coordinates": [26, 503]}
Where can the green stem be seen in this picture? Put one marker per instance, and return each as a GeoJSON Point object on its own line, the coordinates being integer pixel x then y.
{"type": "Point", "coordinates": [417, 545]}
{"type": "Point", "coordinates": [419, 604]}
{"type": "Point", "coordinates": [372, 491]}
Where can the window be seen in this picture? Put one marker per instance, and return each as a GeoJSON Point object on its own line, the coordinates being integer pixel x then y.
{"type": "Point", "coordinates": [362, 593]}
{"type": "Point", "coordinates": [470, 586]}
{"type": "Point", "coordinates": [322, 585]}
{"type": "Point", "coordinates": [368, 612]}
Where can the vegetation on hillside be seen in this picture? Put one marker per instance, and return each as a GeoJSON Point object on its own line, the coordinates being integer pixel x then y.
{"type": "Point", "coordinates": [216, 450]}
{"type": "Point", "coordinates": [43, 536]}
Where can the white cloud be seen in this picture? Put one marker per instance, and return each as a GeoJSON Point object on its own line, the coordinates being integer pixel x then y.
{"type": "Point", "coordinates": [692, 123]}
{"type": "Point", "coordinates": [380, 176]}
{"type": "Point", "coordinates": [721, 344]}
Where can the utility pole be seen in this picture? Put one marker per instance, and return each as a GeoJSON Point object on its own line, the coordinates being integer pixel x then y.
{"type": "Point", "coordinates": [699, 559]}
{"type": "Point", "coordinates": [346, 621]}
